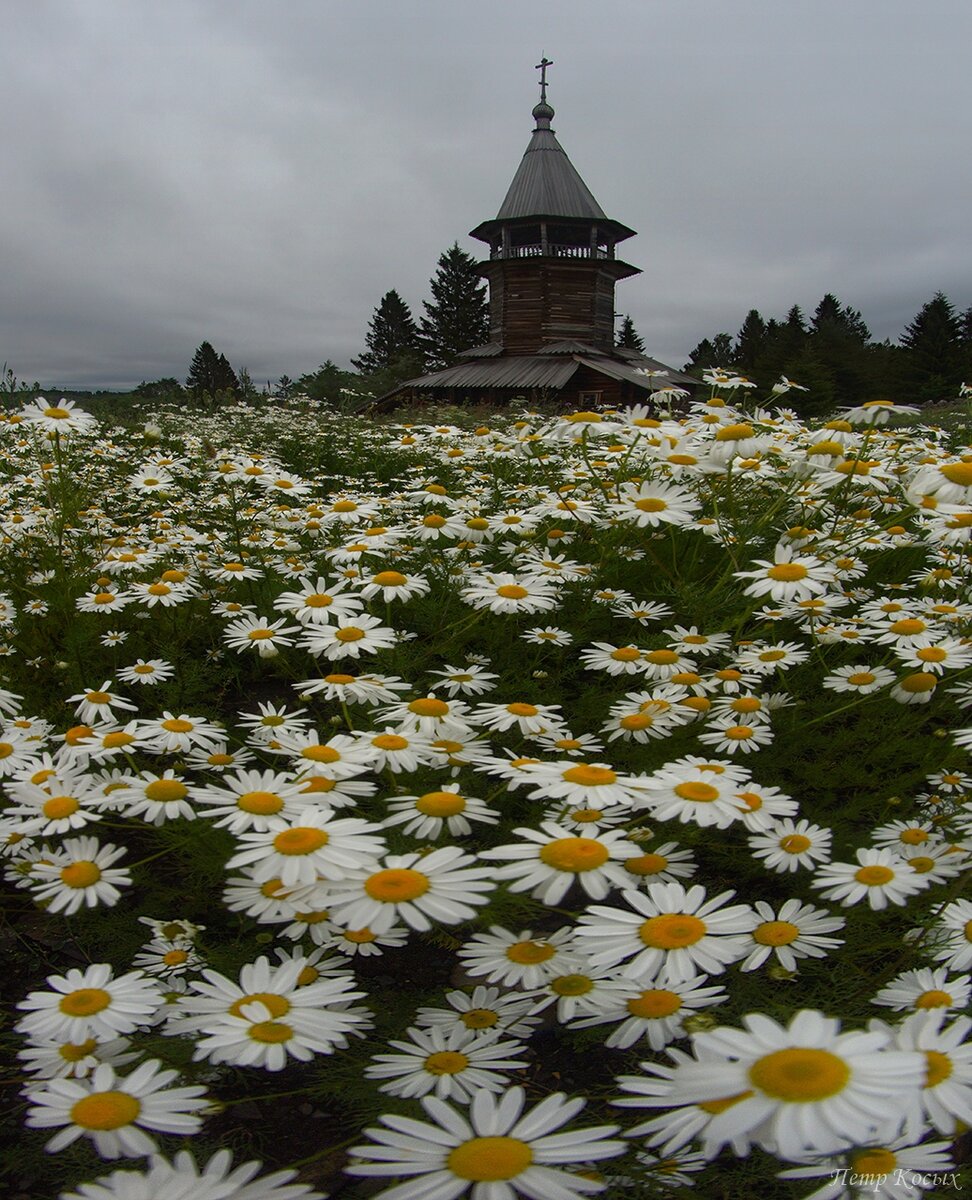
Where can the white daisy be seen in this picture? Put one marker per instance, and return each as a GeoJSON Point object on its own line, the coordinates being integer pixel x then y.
{"type": "Point", "coordinates": [499, 1151]}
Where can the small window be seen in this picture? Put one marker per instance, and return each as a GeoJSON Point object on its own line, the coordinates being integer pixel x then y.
{"type": "Point", "coordinates": [590, 399]}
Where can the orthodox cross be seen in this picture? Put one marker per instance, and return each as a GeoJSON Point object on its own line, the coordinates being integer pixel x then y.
{"type": "Point", "coordinates": [542, 68]}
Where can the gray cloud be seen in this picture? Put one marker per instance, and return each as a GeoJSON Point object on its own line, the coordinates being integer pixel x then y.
{"type": "Point", "coordinates": [260, 174]}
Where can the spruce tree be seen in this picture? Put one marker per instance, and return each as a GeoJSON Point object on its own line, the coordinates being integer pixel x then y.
{"type": "Point", "coordinates": [210, 373]}
{"type": "Point", "coordinates": [457, 317]}
{"type": "Point", "coordinates": [749, 341]}
{"type": "Point", "coordinates": [628, 337]}
{"type": "Point", "coordinates": [392, 339]}
{"type": "Point", "coordinates": [933, 365]}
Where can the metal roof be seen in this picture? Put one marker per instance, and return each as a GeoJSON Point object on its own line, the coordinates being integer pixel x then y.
{"type": "Point", "coordinates": [547, 184]}
{"type": "Point", "coordinates": [527, 371]}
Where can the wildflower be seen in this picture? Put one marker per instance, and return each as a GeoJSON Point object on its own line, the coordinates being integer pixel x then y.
{"type": "Point", "coordinates": [945, 1100]}
{"type": "Point", "coordinates": [792, 844]}
{"type": "Point", "coordinates": [257, 633]}
{"type": "Point", "coordinates": [114, 1111]}
{"type": "Point", "coordinates": [925, 989]}
{"type": "Point", "coordinates": [62, 417]}
{"type": "Point", "coordinates": [804, 1088]}
{"type": "Point", "coordinates": [729, 735]}
{"type": "Point", "coordinates": [482, 1009]}
{"type": "Point", "coordinates": [551, 859]}
{"type": "Point", "coordinates": [858, 677]}
{"type": "Point", "coordinates": [89, 1003]}
{"type": "Point", "coordinates": [520, 959]}
{"type": "Point", "coordinates": [170, 733]}
{"type": "Point", "coordinates": [952, 935]}
{"type": "Point", "coordinates": [787, 577]}
{"type": "Point", "coordinates": [596, 785]}
{"type": "Point", "coordinates": [311, 844]}
{"type": "Point", "coordinates": [426, 816]}
{"type": "Point", "coordinates": [646, 1010]}
{"type": "Point", "coordinates": [250, 799]}
{"type": "Point", "coordinates": [691, 794]}
{"type": "Point", "coordinates": [671, 934]}
{"type": "Point", "coordinates": [80, 873]}
{"type": "Point", "coordinates": [394, 585]}
{"type": "Point", "coordinates": [456, 1064]}
{"type": "Point", "coordinates": [147, 672]}
{"type": "Point", "coordinates": [896, 1166]}
{"type": "Point", "coordinates": [548, 635]}
{"type": "Point", "coordinates": [319, 602]}
{"type": "Point", "coordinates": [156, 798]}
{"type": "Point", "coordinates": [880, 876]}
{"type": "Point", "coordinates": [497, 1146]}
{"type": "Point", "coordinates": [649, 505]}
{"type": "Point", "coordinates": [527, 718]}
{"type": "Point", "coordinates": [98, 704]}
{"type": "Point", "coordinates": [503, 593]}
{"type": "Point", "coordinates": [796, 931]}
{"type": "Point", "coordinates": [348, 637]}
{"type": "Point", "coordinates": [470, 680]}
{"type": "Point", "coordinates": [443, 886]}
{"type": "Point", "coordinates": [163, 1180]}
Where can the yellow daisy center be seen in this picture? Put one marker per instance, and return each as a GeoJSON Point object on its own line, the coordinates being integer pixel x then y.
{"type": "Point", "coordinates": [646, 864]}
{"type": "Point", "coordinates": [960, 473]}
{"type": "Point", "coordinates": [661, 658]}
{"type": "Point", "coordinates": [303, 839]}
{"type": "Point", "coordinates": [519, 709]}
{"type": "Point", "coordinates": [397, 885]}
{"type": "Point", "coordinates": [261, 803]}
{"type": "Point", "coordinates": [512, 591]}
{"type": "Point", "coordinates": [672, 931]}
{"type": "Point", "coordinates": [876, 1162]}
{"type": "Point", "coordinates": [276, 1005]}
{"type": "Point", "coordinates": [59, 807]}
{"type": "Point", "coordinates": [776, 933]}
{"type": "Point", "coordinates": [390, 579]}
{"type": "Point", "coordinates": [697, 792]}
{"type": "Point", "coordinates": [626, 654]}
{"type": "Point", "coordinates": [165, 791]}
{"type": "Point", "coordinates": [446, 1062]}
{"type": "Point", "coordinates": [588, 776]}
{"type": "Point", "coordinates": [81, 874]}
{"type": "Point", "coordinates": [105, 1110]}
{"type": "Point", "coordinates": [440, 804]}
{"type": "Point", "coordinates": [940, 1067]}
{"type": "Point", "coordinates": [389, 741]}
{"type": "Point", "coordinates": [175, 958]}
{"type": "Point", "coordinates": [349, 633]}
{"type": "Point", "coordinates": [529, 953]}
{"type": "Point", "coordinates": [800, 1075]}
{"type": "Point", "coordinates": [572, 985]}
{"type": "Point", "coordinates": [574, 854]}
{"type": "Point", "coordinates": [934, 999]}
{"type": "Point", "coordinates": [874, 876]}
{"type": "Point", "coordinates": [85, 1002]}
{"type": "Point", "coordinates": [272, 1033]}
{"type": "Point", "coordinates": [489, 1159]}
{"type": "Point", "coordinates": [98, 698]}
{"type": "Point", "coordinates": [787, 572]}
{"type": "Point", "coordinates": [654, 1003]}
{"type": "Point", "coordinates": [650, 504]}
{"type": "Point", "coordinates": [73, 1052]}
{"type": "Point", "coordinates": [861, 678]}
{"type": "Point", "coordinates": [429, 707]}
{"type": "Point", "coordinates": [795, 843]}
{"type": "Point", "coordinates": [479, 1018]}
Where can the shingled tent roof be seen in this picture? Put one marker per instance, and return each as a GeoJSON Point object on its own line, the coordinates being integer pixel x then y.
{"type": "Point", "coordinates": [547, 184]}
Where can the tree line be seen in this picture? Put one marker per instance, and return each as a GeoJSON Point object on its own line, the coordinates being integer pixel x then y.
{"type": "Point", "coordinates": [833, 354]}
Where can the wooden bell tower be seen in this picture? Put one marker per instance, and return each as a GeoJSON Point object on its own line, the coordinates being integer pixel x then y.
{"type": "Point", "coordinates": [552, 262]}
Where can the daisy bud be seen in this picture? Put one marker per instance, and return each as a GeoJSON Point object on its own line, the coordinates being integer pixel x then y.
{"type": "Point", "coordinates": [699, 1022]}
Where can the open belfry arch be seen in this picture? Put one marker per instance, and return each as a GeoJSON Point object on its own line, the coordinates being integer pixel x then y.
{"type": "Point", "coordinates": [552, 267]}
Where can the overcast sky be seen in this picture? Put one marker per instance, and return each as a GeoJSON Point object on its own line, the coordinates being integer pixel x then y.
{"type": "Point", "coordinates": [258, 173]}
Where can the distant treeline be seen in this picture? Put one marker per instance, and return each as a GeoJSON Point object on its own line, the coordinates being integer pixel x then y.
{"type": "Point", "coordinates": [833, 354]}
